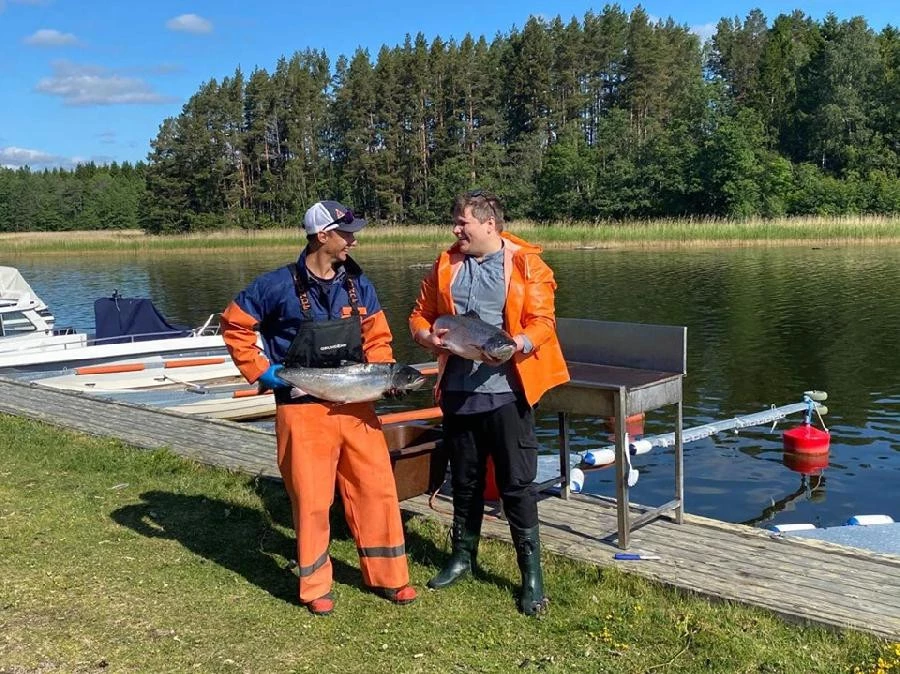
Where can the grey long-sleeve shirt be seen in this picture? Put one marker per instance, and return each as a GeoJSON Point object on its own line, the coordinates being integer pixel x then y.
{"type": "Point", "coordinates": [469, 387]}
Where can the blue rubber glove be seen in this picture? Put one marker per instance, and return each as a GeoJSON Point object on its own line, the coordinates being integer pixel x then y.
{"type": "Point", "coordinates": [270, 379]}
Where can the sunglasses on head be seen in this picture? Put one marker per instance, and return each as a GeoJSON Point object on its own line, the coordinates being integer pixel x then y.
{"type": "Point", "coordinates": [346, 219]}
{"type": "Point", "coordinates": [490, 199]}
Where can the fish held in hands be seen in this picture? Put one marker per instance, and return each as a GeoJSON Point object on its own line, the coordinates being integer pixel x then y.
{"type": "Point", "coordinates": [468, 336]}
{"type": "Point", "coordinates": [358, 382]}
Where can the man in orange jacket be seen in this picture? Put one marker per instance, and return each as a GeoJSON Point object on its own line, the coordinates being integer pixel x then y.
{"type": "Point", "coordinates": [319, 312]}
{"type": "Point", "coordinates": [489, 409]}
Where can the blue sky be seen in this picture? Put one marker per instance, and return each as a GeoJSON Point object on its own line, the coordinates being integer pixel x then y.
{"type": "Point", "coordinates": [92, 80]}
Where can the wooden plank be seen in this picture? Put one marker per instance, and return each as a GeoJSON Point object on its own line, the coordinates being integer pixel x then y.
{"type": "Point", "coordinates": [208, 441]}
{"type": "Point", "coordinates": [793, 566]}
{"type": "Point", "coordinates": [869, 607]}
{"type": "Point", "coordinates": [752, 538]}
{"type": "Point", "coordinates": [765, 567]}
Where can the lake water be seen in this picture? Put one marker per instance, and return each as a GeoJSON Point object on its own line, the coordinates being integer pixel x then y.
{"type": "Point", "coordinates": [764, 325]}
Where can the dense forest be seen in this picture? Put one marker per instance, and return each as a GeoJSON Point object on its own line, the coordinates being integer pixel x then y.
{"type": "Point", "coordinates": [611, 117]}
{"type": "Point", "coordinates": [88, 197]}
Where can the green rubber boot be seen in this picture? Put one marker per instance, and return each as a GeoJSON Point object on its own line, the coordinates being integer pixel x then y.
{"type": "Point", "coordinates": [462, 558]}
{"type": "Point", "coordinates": [528, 554]}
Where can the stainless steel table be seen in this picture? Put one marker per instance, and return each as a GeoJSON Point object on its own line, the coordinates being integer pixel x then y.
{"type": "Point", "coordinates": [619, 370]}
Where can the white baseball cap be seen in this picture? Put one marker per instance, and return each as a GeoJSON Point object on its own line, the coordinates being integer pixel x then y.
{"type": "Point", "coordinates": [324, 216]}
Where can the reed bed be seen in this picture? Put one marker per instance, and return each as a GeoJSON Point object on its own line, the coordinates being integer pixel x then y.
{"type": "Point", "coordinates": [669, 233]}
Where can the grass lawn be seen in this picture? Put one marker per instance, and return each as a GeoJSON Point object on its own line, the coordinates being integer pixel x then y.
{"type": "Point", "coordinates": [120, 560]}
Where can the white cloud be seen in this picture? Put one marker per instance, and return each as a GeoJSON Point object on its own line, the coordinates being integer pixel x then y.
{"type": "Point", "coordinates": [190, 23]}
{"type": "Point", "coordinates": [50, 37]}
{"type": "Point", "coordinates": [19, 157]}
{"type": "Point", "coordinates": [93, 85]}
{"type": "Point", "coordinates": [704, 31]}
{"type": "Point", "coordinates": [16, 157]}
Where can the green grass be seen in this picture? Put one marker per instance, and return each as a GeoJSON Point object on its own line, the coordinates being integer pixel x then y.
{"type": "Point", "coordinates": [638, 234]}
{"type": "Point", "coordinates": [121, 560]}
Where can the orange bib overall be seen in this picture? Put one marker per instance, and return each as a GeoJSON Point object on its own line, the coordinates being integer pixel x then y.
{"type": "Point", "coordinates": [321, 444]}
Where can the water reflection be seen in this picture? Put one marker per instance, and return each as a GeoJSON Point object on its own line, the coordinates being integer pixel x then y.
{"type": "Point", "coordinates": [763, 326]}
{"type": "Point", "coordinates": [812, 488]}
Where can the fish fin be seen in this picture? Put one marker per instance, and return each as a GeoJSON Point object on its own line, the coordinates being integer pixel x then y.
{"type": "Point", "coordinates": [471, 313]}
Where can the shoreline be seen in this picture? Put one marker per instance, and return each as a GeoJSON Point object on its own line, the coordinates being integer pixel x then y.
{"type": "Point", "coordinates": [606, 246]}
{"type": "Point", "coordinates": [650, 235]}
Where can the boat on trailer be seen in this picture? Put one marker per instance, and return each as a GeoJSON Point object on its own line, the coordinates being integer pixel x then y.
{"type": "Point", "coordinates": [125, 329]}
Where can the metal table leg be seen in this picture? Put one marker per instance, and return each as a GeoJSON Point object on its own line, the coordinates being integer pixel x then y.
{"type": "Point", "coordinates": [564, 469]}
{"type": "Point", "coordinates": [679, 464]}
{"type": "Point", "coordinates": [621, 470]}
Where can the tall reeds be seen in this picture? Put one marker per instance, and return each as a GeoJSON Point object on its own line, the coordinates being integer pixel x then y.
{"type": "Point", "coordinates": [687, 232]}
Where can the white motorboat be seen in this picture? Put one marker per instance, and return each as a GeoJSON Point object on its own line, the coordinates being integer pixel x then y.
{"type": "Point", "coordinates": [155, 373]}
{"type": "Point", "coordinates": [25, 320]}
{"type": "Point", "coordinates": [234, 407]}
{"type": "Point", "coordinates": [125, 328]}
{"type": "Point", "coordinates": [233, 401]}
{"type": "Point", "coordinates": [192, 387]}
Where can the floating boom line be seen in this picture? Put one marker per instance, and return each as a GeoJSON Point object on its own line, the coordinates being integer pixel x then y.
{"type": "Point", "coordinates": [606, 455]}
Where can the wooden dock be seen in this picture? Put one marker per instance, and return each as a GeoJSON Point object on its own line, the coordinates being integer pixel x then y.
{"type": "Point", "coordinates": [799, 579]}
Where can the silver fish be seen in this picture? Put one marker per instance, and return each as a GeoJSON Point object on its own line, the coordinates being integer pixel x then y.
{"type": "Point", "coordinates": [354, 383]}
{"type": "Point", "coordinates": [472, 338]}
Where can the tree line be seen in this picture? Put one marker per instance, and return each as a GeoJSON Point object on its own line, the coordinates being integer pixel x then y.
{"type": "Point", "coordinates": [58, 200]}
{"type": "Point", "coordinates": [613, 116]}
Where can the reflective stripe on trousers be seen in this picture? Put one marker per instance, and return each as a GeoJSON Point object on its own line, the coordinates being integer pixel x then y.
{"type": "Point", "coordinates": [320, 445]}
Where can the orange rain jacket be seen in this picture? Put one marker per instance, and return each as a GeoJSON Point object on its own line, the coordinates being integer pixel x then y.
{"type": "Point", "coordinates": [529, 309]}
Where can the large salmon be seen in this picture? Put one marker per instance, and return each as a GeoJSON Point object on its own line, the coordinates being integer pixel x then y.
{"type": "Point", "coordinates": [353, 383]}
{"type": "Point", "coordinates": [470, 337]}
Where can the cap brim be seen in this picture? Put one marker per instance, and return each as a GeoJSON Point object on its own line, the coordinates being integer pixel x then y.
{"type": "Point", "coordinates": [354, 226]}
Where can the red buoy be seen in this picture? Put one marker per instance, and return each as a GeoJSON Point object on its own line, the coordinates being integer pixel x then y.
{"type": "Point", "coordinates": [806, 439]}
{"type": "Point", "coordinates": [806, 464]}
{"type": "Point", "coordinates": [634, 425]}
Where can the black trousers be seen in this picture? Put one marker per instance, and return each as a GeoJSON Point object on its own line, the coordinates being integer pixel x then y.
{"type": "Point", "coordinates": [507, 435]}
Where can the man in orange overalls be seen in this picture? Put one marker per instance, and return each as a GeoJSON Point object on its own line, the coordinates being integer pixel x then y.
{"type": "Point", "coordinates": [488, 409]}
{"type": "Point", "coordinates": [320, 312]}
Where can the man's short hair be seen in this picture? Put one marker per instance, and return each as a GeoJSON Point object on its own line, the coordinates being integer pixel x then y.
{"type": "Point", "coordinates": [484, 205]}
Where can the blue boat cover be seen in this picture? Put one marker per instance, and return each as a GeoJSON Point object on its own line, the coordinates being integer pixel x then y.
{"type": "Point", "coordinates": [123, 319]}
